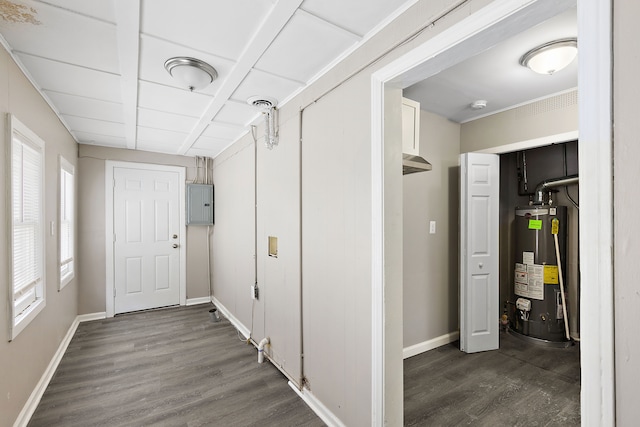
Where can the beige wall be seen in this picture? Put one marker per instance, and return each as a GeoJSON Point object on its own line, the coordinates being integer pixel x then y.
{"type": "Point", "coordinates": [626, 152]}
{"type": "Point", "coordinates": [335, 168]}
{"type": "Point", "coordinates": [25, 358]}
{"type": "Point", "coordinates": [91, 225]}
{"type": "Point", "coordinates": [533, 122]}
{"type": "Point", "coordinates": [431, 260]}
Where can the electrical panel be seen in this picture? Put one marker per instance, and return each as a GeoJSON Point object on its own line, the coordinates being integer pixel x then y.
{"type": "Point", "coordinates": [199, 204]}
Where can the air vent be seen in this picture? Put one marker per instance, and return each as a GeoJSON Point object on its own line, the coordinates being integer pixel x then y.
{"type": "Point", "coordinates": [262, 102]}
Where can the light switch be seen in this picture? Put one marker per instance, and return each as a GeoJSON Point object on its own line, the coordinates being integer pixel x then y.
{"type": "Point", "coordinates": [432, 227]}
{"type": "Point", "coordinates": [52, 228]}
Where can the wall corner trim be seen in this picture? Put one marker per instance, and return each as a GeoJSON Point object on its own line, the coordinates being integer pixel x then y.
{"type": "Point", "coordinates": [316, 406]}
{"type": "Point", "coordinates": [425, 346]}
{"type": "Point", "coordinates": [34, 399]}
{"type": "Point", "coordinates": [196, 301]}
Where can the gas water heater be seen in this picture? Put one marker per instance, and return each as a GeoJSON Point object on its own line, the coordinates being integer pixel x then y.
{"type": "Point", "coordinates": [536, 308]}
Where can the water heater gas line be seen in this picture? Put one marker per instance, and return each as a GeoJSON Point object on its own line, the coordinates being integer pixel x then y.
{"type": "Point", "coordinates": [554, 230]}
{"type": "Point", "coordinates": [261, 345]}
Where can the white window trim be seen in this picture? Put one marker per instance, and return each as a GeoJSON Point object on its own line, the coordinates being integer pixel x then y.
{"type": "Point", "coordinates": [66, 166]}
{"type": "Point", "coordinates": [20, 322]}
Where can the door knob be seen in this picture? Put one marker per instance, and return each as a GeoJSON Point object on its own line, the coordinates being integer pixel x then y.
{"type": "Point", "coordinates": [175, 246]}
{"type": "Point", "coordinates": [480, 265]}
{"type": "Point", "coordinates": [175, 236]}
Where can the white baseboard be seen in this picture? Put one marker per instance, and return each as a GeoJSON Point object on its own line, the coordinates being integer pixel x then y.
{"type": "Point", "coordinates": [92, 316]}
{"type": "Point", "coordinates": [234, 321]}
{"type": "Point", "coordinates": [318, 407]}
{"type": "Point", "coordinates": [196, 301]}
{"type": "Point", "coordinates": [32, 403]}
{"type": "Point", "coordinates": [430, 344]}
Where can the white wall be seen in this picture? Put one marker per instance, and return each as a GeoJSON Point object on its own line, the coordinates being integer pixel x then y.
{"type": "Point", "coordinates": [626, 91]}
{"type": "Point", "coordinates": [24, 360]}
{"type": "Point", "coordinates": [234, 233]}
{"type": "Point", "coordinates": [430, 276]}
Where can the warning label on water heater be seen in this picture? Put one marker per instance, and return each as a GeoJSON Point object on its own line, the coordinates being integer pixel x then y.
{"type": "Point", "coordinates": [529, 281]}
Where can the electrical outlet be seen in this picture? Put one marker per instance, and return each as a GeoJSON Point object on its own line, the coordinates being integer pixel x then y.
{"type": "Point", "coordinates": [432, 227]}
{"type": "Point", "coordinates": [254, 292]}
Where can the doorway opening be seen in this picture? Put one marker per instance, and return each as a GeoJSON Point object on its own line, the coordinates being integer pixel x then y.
{"type": "Point", "coordinates": [464, 40]}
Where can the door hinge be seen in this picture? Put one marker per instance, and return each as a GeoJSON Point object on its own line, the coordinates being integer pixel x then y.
{"type": "Point", "coordinates": [114, 237]}
{"type": "Point", "coordinates": [115, 291]}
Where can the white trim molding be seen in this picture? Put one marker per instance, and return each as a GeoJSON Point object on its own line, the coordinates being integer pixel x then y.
{"type": "Point", "coordinates": [92, 316]}
{"type": "Point", "coordinates": [595, 158]}
{"type": "Point", "coordinates": [246, 333]}
{"type": "Point", "coordinates": [109, 232]}
{"type": "Point", "coordinates": [316, 406]}
{"type": "Point", "coordinates": [196, 301]}
{"type": "Point", "coordinates": [34, 399]}
{"type": "Point", "coordinates": [425, 346]}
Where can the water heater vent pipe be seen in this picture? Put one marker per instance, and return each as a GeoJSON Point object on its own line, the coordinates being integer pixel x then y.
{"type": "Point", "coordinates": [552, 183]}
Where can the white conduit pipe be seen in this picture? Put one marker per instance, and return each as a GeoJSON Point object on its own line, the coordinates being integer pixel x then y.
{"type": "Point", "coordinates": [261, 345]}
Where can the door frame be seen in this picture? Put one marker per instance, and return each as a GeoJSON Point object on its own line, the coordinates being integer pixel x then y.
{"type": "Point", "coordinates": [462, 40]}
{"type": "Point", "coordinates": [110, 165]}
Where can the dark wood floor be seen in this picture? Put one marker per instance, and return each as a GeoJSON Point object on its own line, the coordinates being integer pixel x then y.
{"type": "Point", "coordinates": [171, 367]}
{"type": "Point", "coordinates": [522, 384]}
{"type": "Point", "coordinates": [175, 367]}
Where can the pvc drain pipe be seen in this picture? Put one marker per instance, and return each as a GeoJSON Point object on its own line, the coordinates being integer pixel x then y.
{"type": "Point", "coordinates": [261, 345]}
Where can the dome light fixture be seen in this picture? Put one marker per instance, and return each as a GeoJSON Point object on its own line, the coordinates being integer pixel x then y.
{"type": "Point", "coordinates": [191, 72]}
{"type": "Point", "coordinates": [551, 57]}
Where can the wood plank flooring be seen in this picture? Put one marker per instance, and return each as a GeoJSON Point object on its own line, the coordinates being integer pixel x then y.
{"type": "Point", "coordinates": [522, 384]}
{"type": "Point", "coordinates": [174, 367]}
{"type": "Point", "coordinates": [171, 367]}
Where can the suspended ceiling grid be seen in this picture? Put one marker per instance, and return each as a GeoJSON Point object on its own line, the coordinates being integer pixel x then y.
{"type": "Point", "coordinates": [100, 63]}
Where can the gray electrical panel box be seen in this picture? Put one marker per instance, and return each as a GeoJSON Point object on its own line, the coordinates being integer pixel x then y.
{"type": "Point", "coordinates": [199, 204]}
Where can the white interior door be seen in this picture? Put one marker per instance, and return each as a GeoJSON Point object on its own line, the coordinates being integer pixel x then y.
{"type": "Point", "coordinates": [479, 284]}
{"type": "Point", "coordinates": [146, 225]}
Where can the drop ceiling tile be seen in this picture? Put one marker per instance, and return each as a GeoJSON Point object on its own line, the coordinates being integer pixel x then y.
{"type": "Point", "coordinates": [211, 145]}
{"type": "Point", "coordinates": [72, 80]}
{"type": "Point", "coordinates": [171, 100]}
{"type": "Point", "coordinates": [223, 131]}
{"type": "Point", "coordinates": [154, 52]}
{"type": "Point", "coordinates": [221, 28]}
{"type": "Point", "coordinates": [98, 127]}
{"type": "Point", "coordinates": [102, 140]}
{"type": "Point", "coordinates": [166, 121]}
{"type": "Point", "coordinates": [103, 10]}
{"type": "Point", "coordinates": [259, 83]}
{"type": "Point", "coordinates": [90, 108]}
{"type": "Point", "coordinates": [236, 112]}
{"type": "Point", "coordinates": [150, 136]}
{"type": "Point", "coordinates": [66, 37]}
{"type": "Point", "coordinates": [304, 47]}
{"type": "Point", "coordinates": [357, 16]}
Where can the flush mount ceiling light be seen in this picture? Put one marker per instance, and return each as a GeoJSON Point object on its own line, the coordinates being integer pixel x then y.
{"type": "Point", "coordinates": [191, 72]}
{"type": "Point", "coordinates": [551, 57]}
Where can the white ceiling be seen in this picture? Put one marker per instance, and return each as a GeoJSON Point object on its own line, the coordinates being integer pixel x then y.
{"type": "Point", "coordinates": [100, 63]}
{"type": "Point", "coordinates": [497, 76]}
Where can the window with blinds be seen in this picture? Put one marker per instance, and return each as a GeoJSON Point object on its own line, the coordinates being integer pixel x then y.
{"type": "Point", "coordinates": [67, 203]}
{"type": "Point", "coordinates": [27, 224]}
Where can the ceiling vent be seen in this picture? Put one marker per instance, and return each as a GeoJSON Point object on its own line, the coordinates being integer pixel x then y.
{"type": "Point", "coordinates": [262, 102]}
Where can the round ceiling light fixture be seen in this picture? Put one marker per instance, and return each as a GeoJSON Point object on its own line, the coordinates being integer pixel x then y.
{"type": "Point", "coordinates": [191, 72]}
{"type": "Point", "coordinates": [551, 57]}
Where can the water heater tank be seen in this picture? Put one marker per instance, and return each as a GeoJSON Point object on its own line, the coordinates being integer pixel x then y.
{"type": "Point", "coordinates": [535, 273]}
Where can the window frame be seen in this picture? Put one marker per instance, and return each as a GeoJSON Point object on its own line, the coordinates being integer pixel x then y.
{"type": "Point", "coordinates": [65, 167]}
{"type": "Point", "coordinates": [25, 137]}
